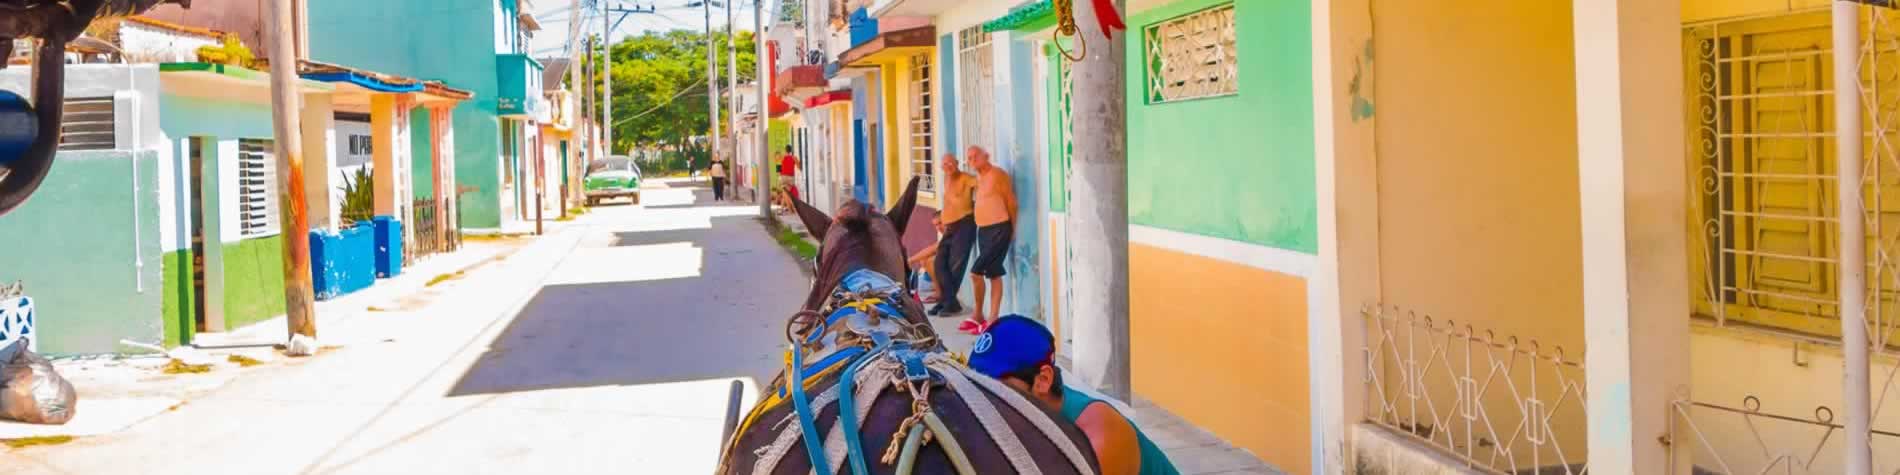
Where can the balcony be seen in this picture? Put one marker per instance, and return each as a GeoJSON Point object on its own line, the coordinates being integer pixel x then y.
{"type": "Point", "coordinates": [519, 78]}
{"type": "Point", "coordinates": [797, 83]}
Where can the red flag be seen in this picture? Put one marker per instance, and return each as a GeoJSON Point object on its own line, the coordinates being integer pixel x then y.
{"type": "Point", "coordinates": [1108, 18]}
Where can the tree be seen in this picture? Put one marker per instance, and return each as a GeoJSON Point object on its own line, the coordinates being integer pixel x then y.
{"type": "Point", "coordinates": [659, 92]}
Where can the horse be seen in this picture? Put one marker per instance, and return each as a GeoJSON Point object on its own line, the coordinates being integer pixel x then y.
{"type": "Point", "coordinates": [869, 388]}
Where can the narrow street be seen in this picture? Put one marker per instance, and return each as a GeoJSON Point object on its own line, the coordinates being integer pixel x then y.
{"type": "Point", "coordinates": [608, 345]}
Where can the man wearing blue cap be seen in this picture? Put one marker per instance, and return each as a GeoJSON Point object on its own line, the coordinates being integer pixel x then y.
{"type": "Point", "coordinates": [1020, 352]}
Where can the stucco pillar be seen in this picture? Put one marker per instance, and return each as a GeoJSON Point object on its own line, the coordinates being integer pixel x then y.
{"type": "Point", "coordinates": [1632, 180]}
{"type": "Point", "coordinates": [319, 161]}
{"type": "Point", "coordinates": [386, 150]}
{"type": "Point", "coordinates": [1347, 196]}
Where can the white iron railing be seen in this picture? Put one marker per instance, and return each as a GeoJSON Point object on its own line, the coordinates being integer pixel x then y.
{"type": "Point", "coordinates": [1497, 403]}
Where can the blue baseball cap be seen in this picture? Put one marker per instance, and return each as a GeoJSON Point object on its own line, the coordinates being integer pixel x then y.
{"type": "Point", "coordinates": [1012, 343]}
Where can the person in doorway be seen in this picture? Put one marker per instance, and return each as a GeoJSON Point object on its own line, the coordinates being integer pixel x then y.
{"type": "Point", "coordinates": [1021, 353]}
{"type": "Point", "coordinates": [923, 260]}
{"type": "Point", "coordinates": [995, 203]}
{"type": "Point", "coordinates": [787, 190]}
{"type": "Point", "coordinates": [718, 173]}
{"type": "Point", "coordinates": [959, 233]}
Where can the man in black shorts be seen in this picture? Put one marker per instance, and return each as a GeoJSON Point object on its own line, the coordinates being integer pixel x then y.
{"type": "Point", "coordinates": [995, 229]}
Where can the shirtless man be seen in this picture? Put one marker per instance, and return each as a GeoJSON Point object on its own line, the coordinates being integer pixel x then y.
{"type": "Point", "coordinates": [959, 235]}
{"type": "Point", "coordinates": [995, 229]}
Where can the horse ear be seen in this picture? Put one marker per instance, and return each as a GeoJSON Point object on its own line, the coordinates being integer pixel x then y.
{"type": "Point", "coordinates": [816, 222]}
{"type": "Point", "coordinates": [900, 211]}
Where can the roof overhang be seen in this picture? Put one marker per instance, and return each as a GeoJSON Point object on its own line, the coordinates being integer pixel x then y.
{"type": "Point", "coordinates": [223, 81]}
{"type": "Point", "coordinates": [891, 47]}
{"type": "Point", "coordinates": [355, 86]}
{"type": "Point", "coordinates": [842, 96]}
{"type": "Point", "coordinates": [1033, 16]}
{"type": "Point", "coordinates": [799, 82]}
{"type": "Point", "coordinates": [928, 8]}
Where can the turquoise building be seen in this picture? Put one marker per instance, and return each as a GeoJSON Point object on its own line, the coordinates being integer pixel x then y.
{"type": "Point", "coordinates": [477, 46]}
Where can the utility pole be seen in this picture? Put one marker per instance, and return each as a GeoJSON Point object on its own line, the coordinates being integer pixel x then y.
{"type": "Point", "coordinates": [587, 96]}
{"type": "Point", "coordinates": [1099, 209]}
{"type": "Point", "coordinates": [606, 73]}
{"type": "Point", "coordinates": [712, 81]}
{"type": "Point", "coordinates": [758, 44]}
{"type": "Point", "coordinates": [732, 77]}
{"type": "Point", "coordinates": [292, 213]}
{"type": "Point", "coordinates": [1856, 450]}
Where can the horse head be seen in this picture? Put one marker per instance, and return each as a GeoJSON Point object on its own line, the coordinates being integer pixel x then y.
{"type": "Point", "coordinates": [857, 237]}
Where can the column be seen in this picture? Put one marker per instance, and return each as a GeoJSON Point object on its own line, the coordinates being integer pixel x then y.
{"type": "Point", "coordinates": [1347, 194]}
{"type": "Point", "coordinates": [1632, 180]}
{"type": "Point", "coordinates": [319, 161]}
{"type": "Point", "coordinates": [383, 123]}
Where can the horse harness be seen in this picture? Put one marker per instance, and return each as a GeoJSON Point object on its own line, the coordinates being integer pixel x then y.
{"type": "Point", "coordinates": [860, 333]}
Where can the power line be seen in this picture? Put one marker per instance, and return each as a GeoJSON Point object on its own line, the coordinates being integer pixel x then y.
{"type": "Point", "coordinates": [668, 101]}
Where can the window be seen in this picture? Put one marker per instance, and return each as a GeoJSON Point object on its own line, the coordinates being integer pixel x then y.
{"type": "Point", "coordinates": [361, 145]}
{"type": "Point", "coordinates": [1761, 132]}
{"type": "Point", "coordinates": [1192, 56]}
{"type": "Point", "coordinates": [87, 124]}
{"type": "Point", "coordinates": [256, 188]}
{"type": "Point", "coordinates": [976, 71]}
{"type": "Point", "coordinates": [922, 151]}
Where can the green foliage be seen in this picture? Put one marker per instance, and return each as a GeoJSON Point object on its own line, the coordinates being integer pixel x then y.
{"type": "Point", "coordinates": [232, 52]}
{"type": "Point", "coordinates": [660, 89]}
{"type": "Point", "coordinates": [359, 197]}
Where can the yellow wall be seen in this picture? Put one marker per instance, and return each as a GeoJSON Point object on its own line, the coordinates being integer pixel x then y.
{"type": "Point", "coordinates": [1224, 346]}
{"type": "Point", "coordinates": [895, 109]}
{"type": "Point", "coordinates": [1731, 365]}
{"type": "Point", "coordinates": [1477, 179]}
{"type": "Point", "coordinates": [1477, 165]}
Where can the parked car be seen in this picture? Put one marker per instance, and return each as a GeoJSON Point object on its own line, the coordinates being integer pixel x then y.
{"type": "Point", "coordinates": [614, 177]}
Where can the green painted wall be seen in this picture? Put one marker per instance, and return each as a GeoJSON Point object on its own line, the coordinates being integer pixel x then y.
{"type": "Point", "coordinates": [422, 166]}
{"type": "Point", "coordinates": [778, 134]}
{"type": "Point", "coordinates": [453, 42]}
{"type": "Point", "coordinates": [186, 116]}
{"type": "Point", "coordinates": [253, 281]}
{"type": "Point", "coordinates": [1236, 167]}
{"type": "Point", "coordinates": [1054, 105]}
{"type": "Point", "coordinates": [177, 301]}
{"type": "Point", "coordinates": [88, 256]}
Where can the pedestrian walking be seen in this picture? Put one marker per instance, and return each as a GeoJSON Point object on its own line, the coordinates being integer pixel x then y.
{"type": "Point", "coordinates": [959, 234]}
{"type": "Point", "coordinates": [718, 173]}
{"type": "Point", "coordinates": [995, 230]}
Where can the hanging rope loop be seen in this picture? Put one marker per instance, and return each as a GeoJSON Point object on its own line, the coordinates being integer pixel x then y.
{"type": "Point", "coordinates": [1065, 26]}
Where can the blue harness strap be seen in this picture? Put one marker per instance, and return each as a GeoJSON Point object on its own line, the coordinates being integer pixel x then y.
{"type": "Point", "coordinates": [847, 404]}
{"type": "Point", "coordinates": [806, 422]}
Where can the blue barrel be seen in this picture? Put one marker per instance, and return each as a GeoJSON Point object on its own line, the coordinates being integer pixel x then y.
{"type": "Point", "coordinates": [388, 246]}
{"type": "Point", "coordinates": [342, 262]}
{"type": "Point", "coordinates": [18, 127]}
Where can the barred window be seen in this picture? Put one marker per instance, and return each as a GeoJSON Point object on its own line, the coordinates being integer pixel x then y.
{"type": "Point", "coordinates": [923, 162]}
{"type": "Point", "coordinates": [361, 145]}
{"type": "Point", "coordinates": [256, 188]}
{"type": "Point", "coordinates": [1192, 56]}
{"type": "Point", "coordinates": [976, 72]}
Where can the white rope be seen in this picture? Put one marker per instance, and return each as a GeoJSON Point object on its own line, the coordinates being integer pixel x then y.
{"type": "Point", "coordinates": [771, 455]}
{"type": "Point", "coordinates": [879, 375]}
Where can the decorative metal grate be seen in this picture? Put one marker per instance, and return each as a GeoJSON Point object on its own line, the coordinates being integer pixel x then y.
{"type": "Point", "coordinates": [256, 178]}
{"type": "Point", "coordinates": [1500, 404]}
{"type": "Point", "coordinates": [976, 71]}
{"type": "Point", "coordinates": [428, 238]}
{"type": "Point", "coordinates": [1747, 439]}
{"type": "Point", "coordinates": [923, 160]}
{"type": "Point", "coordinates": [1193, 56]}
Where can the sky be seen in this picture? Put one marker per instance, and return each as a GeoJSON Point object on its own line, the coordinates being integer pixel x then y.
{"type": "Point", "coordinates": [554, 16]}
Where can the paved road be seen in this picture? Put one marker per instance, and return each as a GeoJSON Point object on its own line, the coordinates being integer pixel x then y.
{"type": "Point", "coordinates": [607, 346]}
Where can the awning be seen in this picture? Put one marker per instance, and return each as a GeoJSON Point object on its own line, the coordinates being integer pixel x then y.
{"type": "Point", "coordinates": [890, 47]}
{"type": "Point", "coordinates": [354, 86]}
{"type": "Point", "coordinates": [828, 98]}
{"type": "Point", "coordinates": [1033, 16]}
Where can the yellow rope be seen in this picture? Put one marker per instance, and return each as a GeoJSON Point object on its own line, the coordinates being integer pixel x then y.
{"type": "Point", "coordinates": [1065, 26]}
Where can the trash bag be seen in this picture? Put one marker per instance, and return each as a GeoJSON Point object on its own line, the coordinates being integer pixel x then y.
{"type": "Point", "coordinates": [30, 391]}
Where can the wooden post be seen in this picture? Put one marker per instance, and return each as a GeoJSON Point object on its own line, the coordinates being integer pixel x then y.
{"type": "Point", "coordinates": [540, 179]}
{"type": "Point", "coordinates": [1098, 216]}
{"type": "Point", "coordinates": [299, 301]}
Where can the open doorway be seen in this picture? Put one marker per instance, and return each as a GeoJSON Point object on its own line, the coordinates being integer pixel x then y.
{"type": "Point", "coordinates": [196, 190]}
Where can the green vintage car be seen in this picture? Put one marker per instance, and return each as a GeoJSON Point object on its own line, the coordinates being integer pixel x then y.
{"type": "Point", "coordinates": [612, 178]}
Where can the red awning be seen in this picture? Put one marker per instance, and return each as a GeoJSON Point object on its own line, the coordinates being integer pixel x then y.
{"type": "Point", "coordinates": [822, 100]}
